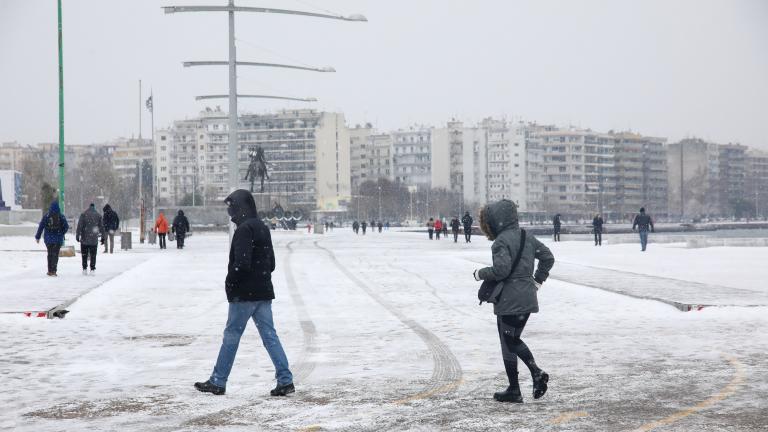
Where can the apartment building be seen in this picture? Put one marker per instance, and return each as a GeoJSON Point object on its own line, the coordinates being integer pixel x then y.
{"type": "Point", "coordinates": [693, 177]}
{"type": "Point", "coordinates": [308, 154]}
{"type": "Point", "coordinates": [412, 156]}
{"type": "Point", "coordinates": [756, 184]}
{"type": "Point", "coordinates": [641, 174]}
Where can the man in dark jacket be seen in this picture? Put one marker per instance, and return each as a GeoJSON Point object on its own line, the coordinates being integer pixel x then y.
{"type": "Point", "coordinates": [89, 228]}
{"type": "Point", "coordinates": [180, 227]}
{"type": "Point", "coordinates": [515, 295]}
{"type": "Point", "coordinates": [364, 225]}
{"type": "Point", "coordinates": [556, 227]}
{"type": "Point", "coordinates": [455, 229]}
{"type": "Point", "coordinates": [111, 225]}
{"type": "Point", "coordinates": [643, 222]}
{"type": "Point", "coordinates": [250, 293]}
{"type": "Point", "coordinates": [55, 225]}
{"type": "Point", "coordinates": [597, 228]}
{"type": "Point", "coordinates": [467, 222]}
{"type": "Point", "coordinates": [355, 227]}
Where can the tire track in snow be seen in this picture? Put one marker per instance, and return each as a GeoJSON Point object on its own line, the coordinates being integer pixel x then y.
{"type": "Point", "coordinates": [304, 366]}
{"type": "Point", "coordinates": [446, 371]}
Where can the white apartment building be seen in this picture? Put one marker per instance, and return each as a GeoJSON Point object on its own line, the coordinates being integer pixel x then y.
{"type": "Point", "coordinates": [308, 152]}
{"type": "Point", "coordinates": [412, 156]}
{"type": "Point", "coordinates": [579, 172]}
{"type": "Point", "coordinates": [128, 154]}
{"type": "Point", "coordinates": [370, 154]}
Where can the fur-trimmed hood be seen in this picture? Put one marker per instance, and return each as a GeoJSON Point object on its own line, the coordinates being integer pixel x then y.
{"type": "Point", "coordinates": [498, 217]}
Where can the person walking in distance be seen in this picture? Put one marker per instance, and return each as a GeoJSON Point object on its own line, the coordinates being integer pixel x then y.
{"type": "Point", "coordinates": [431, 227]}
{"type": "Point", "coordinates": [54, 224]}
{"type": "Point", "coordinates": [250, 293]}
{"type": "Point", "coordinates": [445, 228]}
{"type": "Point", "coordinates": [180, 228]}
{"type": "Point", "coordinates": [111, 225]}
{"type": "Point", "coordinates": [455, 229]}
{"type": "Point", "coordinates": [161, 228]}
{"type": "Point", "coordinates": [597, 228]}
{"type": "Point", "coordinates": [643, 223]}
{"type": "Point", "coordinates": [467, 222]}
{"type": "Point", "coordinates": [514, 295]}
{"type": "Point", "coordinates": [364, 225]}
{"type": "Point", "coordinates": [356, 227]}
{"type": "Point", "coordinates": [438, 228]}
{"type": "Point", "coordinates": [380, 226]}
{"type": "Point", "coordinates": [90, 227]}
{"type": "Point", "coordinates": [556, 227]}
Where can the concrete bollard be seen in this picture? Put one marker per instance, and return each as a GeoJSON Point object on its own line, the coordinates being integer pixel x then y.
{"type": "Point", "coordinates": [125, 240]}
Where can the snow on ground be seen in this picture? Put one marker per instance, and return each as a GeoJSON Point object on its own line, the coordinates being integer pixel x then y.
{"type": "Point", "coordinates": [384, 333]}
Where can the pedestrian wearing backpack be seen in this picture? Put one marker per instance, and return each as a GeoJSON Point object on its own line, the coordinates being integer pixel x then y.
{"type": "Point", "coordinates": [514, 290]}
{"type": "Point", "coordinates": [54, 224]}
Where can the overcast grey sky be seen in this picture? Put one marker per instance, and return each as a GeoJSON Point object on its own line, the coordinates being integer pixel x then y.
{"type": "Point", "coordinates": [664, 68]}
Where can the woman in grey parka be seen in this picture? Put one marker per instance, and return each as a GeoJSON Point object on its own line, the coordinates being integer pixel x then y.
{"type": "Point", "coordinates": [516, 298]}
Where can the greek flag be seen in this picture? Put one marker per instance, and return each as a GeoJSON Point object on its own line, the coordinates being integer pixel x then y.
{"type": "Point", "coordinates": [149, 104]}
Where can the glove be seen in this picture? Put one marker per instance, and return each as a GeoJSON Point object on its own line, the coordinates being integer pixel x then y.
{"type": "Point", "coordinates": [475, 275]}
{"type": "Point", "coordinates": [537, 283]}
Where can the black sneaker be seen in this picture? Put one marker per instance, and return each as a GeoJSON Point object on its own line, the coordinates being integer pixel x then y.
{"type": "Point", "coordinates": [283, 390]}
{"type": "Point", "coordinates": [540, 381]}
{"type": "Point", "coordinates": [509, 395]}
{"type": "Point", "coordinates": [209, 387]}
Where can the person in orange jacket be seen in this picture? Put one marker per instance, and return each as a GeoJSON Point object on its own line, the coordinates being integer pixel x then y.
{"type": "Point", "coordinates": [161, 228]}
{"type": "Point", "coordinates": [438, 227]}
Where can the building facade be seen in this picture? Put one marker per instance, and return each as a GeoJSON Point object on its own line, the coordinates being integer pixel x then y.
{"type": "Point", "coordinates": [308, 153]}
{"type": "Point", "coordinates": [412, 156]}
{"type": "Point", "coordinates": [641, 174]}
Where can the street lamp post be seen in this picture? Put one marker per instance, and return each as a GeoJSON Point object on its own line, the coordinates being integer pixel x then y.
{"type": "Point", "coordinates": [61, 112]}
{"type": "Point", "coordinates": [379, 203]}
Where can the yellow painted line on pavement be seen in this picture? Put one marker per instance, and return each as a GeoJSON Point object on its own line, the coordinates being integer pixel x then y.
{"type": "Point", "coordinates": [568, 416]}
{"type": "Point", "coordinates": [423, 395]}
{"type": "Point", "coordinates": [738, 378]}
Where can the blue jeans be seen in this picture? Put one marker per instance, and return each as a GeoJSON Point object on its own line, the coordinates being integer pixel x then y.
{"type": "Point", "coordinates": [261, 313]}
{"type": "Point", "coordinates": [643, 238]}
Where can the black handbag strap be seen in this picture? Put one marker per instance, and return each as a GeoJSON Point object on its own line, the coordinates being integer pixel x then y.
{"type": "Point", "coordinates": [519, 253]}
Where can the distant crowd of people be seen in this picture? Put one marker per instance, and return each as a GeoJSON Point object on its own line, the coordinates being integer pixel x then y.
{"type": "Point", "coordinates": [94, 228]}
{"type": "Point", "coordinates": [643, 223]}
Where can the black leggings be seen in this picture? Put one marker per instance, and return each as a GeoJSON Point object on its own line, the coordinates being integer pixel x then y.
{"type": "Point", "coordinates": [510, 329]}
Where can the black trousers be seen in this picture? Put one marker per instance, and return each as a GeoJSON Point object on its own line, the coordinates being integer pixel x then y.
{"type": "Point", "coordinates": [162, 240]}
{"type": "Point", "coordinates": [86, 252]}
{"type": "Point", "coordinates": [180, 240]}
{"type": "Point", "coordinates": [598, 238]}
{"type": "Point", "coordinates": [456, 236]}
{"type": "Point", "coordinates": [512, 346]}
{"type": "Point", "coordinates": [53, 256]}
{"type": "Point", "coordinates": [557, 234]}
{"type": "Point", "coordinates": [431, 233]}
{"type": "Point", "coordinates": [467, 234]}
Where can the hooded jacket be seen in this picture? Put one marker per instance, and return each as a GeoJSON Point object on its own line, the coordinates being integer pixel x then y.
{"type": "Point", "coordinates": [111, 220]}
{"type": "Point", "coordinates": [52, 237]}
{"type": "Point", "coordinates": [161, 224]}
{"type": "Point", "coordinates": [251, 257]}
{"type": "Point", "coordinates": [89, 227]}
{"type": "Point", "coordinates": [518, 294]}
{"type": "Point", "coordinates": [180, 224]}
{"type": "Point", "coordinates": [467, 221]}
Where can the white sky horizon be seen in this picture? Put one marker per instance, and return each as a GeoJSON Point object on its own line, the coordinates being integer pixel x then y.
{"type": "Point", "coordinates": [669, 69]}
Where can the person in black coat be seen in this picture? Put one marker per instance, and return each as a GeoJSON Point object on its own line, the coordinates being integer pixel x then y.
{"type": "Point", "coordinates": [467, 222]}
{"type": "Point", "coordinates": [643, 223]}
{"type": "Point", "coordinates": [111, 225]}
{"type": "Point", "coordinates": [455, 229]}
{"type": "Point", "coordinates": [180, 227]}
{"type": "Point", "coordinates": [250, 293]}
{"type": "Point", "coordinates": [556, 227]}
{"type": "Point", "coordinates": [597, 228]}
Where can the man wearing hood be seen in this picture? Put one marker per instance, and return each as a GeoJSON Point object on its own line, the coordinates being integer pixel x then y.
{"type": "Point", "coordinates": [467, 222]}
{"type": "Point", "coordinates": [180, 227]}
{"type": "Point", "coordinates": [55, 226]}
{"type": "Point", "coordinates": [250, 293]}
{"type": "Point", "coordinates": [89, 228]}
{"type": "Point", "coordinates": [111, 225]}
{"type": "Point", "coordinates": [514, 298]}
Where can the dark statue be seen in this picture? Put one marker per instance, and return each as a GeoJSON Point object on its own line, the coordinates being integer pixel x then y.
{"type": "Point", "coordinates": [257, 167]}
